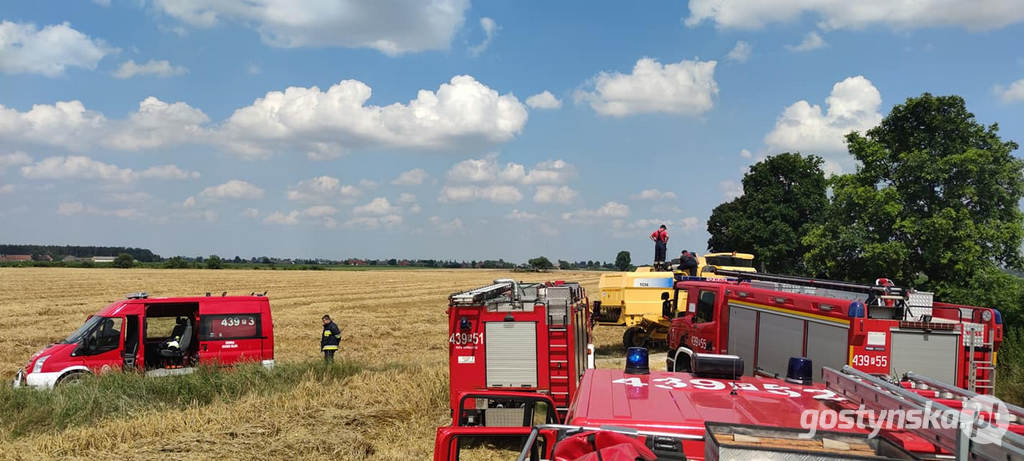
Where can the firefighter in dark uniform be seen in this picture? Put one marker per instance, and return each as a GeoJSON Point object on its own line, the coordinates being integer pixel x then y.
{"type": "Point", "coordinates": [688, 263]}
{"type": "Point", "coordinates": [330, 339]}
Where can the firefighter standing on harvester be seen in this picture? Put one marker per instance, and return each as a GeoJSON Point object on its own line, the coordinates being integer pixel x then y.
{"type": "Point", "coordinates": [330, 339]}
{"type": "Point", "coordinates": [660, 238]}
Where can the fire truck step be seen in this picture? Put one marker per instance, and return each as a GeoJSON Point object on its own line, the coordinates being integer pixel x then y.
{"type": "Point", "coordinates": [559, 361]}
{"type": "Point", "coordinates": [559, 377]}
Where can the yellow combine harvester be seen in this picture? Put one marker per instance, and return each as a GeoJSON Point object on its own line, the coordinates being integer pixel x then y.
{"type": "Point", "coordinates": [634, 299]}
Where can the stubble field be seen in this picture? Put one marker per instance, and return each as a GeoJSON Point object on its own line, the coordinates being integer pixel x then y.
{"type": "Point", "coordinates": [393, 325]}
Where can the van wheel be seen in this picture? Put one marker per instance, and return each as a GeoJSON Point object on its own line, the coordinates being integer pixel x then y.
{"type": "Point", "coordinates": [634, 337]}
{"type": "Point", "coordinates": [71, 379]}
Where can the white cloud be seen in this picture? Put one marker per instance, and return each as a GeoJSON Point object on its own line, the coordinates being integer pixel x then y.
{"type": "Point", "coordinates": [6, 189]}
{"type": "Point", "coordinates": [686, 87]}
{"type": "Point", "coordinates": [517, 215]}
{"type": "Point", "coordinates": [654, 194]}
{"type": "Point", "coordinates": [689, 223]}
{"type": "Point", "coordinates": [730, 189]}
{"type": "Point", "coordinates": [554, 194]}
{"type": "Point", "coordinates": [254, 69]}
{"type": "Point", "coordinates": [129, 197]}
{"type": "Point", "coordinates": [103, 3]}
{"type": "Point", "coordinates": [490, 28]}
{"type": "Point", "coordinates": [379, 206]}
{"type": "Point", "coordinates": [80, 167]}
{"type": "Point", "coordinates": [26, 49]}
{"type": "Point", "coordinates": [461, 112]}
{"type": "Point", "coordinates": [740, 53]}
{"type": "Point", "coordinates": [412, 177]}
{"type": "Point", "coordinates": [447, 227]}
{"type": "Point", "coordinates": [161, 68]}
{"type": "Point", "coordinates": [323, 189]}
{"type": "Point", "coordinates": [398, 27]}
{"type": "Point", "coordinates": [233, 189]}
{"type": "Point", "coordinates": [1012, 93]}
{"type": "Point", "coordinates": [406, 197]}
{"type": "Point", "coordinates": [608, 210]}
{"type": "Point", "coordinates": [13, 159]}
{"type": "Point", "coordinates": [842, 14]}
{"type": "Point", "coordinates": [189, 202]}
{"type": "Point", "coordinates": [852, 106]}
{"type": "Point", "coordinates": [746, 154]}
{"type": "Point", "coordinates": [69, 124]}
{"type": "Point", "coordinates": [251, 213]}
{"type": "Point", "coordinates": [373, 222]}
{"type": "Point", "coordinates": [167, 172]}
{"type": "Point", "coordinates": [496, 194]}
{"type": "Point", "coordinates": [811, 41]}
{"type": "Point", "coordinates": [486, 169]}
{"type": "Point", "coordinates": [543, 100]}
{"type": "Point", "coordinates": [75, 208]}
{"type": "Point", "coordinates": [296, 216]}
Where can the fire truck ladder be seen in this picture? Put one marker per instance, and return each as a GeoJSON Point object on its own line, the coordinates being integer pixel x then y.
{"type": "Point", "coordinates": [558, 352]}
{"type": "Point", "coordinates": [877, 394]}
{"type": "Point", "coordinates": [878, 291]}
{"type": "Point", "coordinates": [982, 372]}
{"type": "Point", "coordinates": [482, 294]}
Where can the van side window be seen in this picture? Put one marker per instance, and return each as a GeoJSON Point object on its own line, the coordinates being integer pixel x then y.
{"type": "Point", "coordinates": [705, 307]}
{"type": "Point", "coordinates": [106, 336]}
{"type": "Point", "coordinates": [231, 326]}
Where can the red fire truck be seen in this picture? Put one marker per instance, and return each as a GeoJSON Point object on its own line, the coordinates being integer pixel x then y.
{"type": "Point", "coordinates": [879, 329]}
{"type": "Point", "coordinates": [516, 354]}
{"type": "Point", "coordinates": [158, 336]}
{"type": "Point", "coordinates": [718, 413]}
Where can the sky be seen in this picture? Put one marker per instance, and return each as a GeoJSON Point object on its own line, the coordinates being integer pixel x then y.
{"type": "Point", "coordinates": [452, 129]}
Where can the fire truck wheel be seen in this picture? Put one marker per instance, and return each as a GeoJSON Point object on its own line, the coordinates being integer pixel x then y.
{"type": "Point", "coordinates": [634, 337]}
{"type": "Point", "coordinates": [71, 378]}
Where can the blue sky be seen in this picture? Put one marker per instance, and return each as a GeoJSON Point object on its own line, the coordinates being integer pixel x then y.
{"type": "Point", "coordinates": [450, 129]}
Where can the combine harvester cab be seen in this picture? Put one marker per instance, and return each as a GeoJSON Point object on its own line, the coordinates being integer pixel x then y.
{"type": "Point", "coordinates": [634, 299]}
{"type": "Point", "coordinates": [158, 337]}
{"type": "Point", "coordinates": [717, 413]}
{"type": "Point", "coordinates": [516, 354]}
{"type": "Point", "coordinates": [880, 329]}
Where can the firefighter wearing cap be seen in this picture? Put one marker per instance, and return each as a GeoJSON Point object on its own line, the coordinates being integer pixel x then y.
{"type": "Point", "coordinates": [660, 238]}
{"type": "Point", "coordinates": [330, 339]}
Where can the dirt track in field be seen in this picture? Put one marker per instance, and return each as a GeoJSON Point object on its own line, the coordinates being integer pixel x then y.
{"type": "Point", "coordinates": [386, 317]}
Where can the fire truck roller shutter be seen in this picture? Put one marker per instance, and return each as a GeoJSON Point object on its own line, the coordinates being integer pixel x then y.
{"type": "Point", "coordinates": [511, 354]}
{"type": "Point", "coordinates": [826, 346]}
{"type": "Point", "coordinates": [779, 338]}
{"type": "Point", "coordinates": [742, 329]}
{"type": "Point", "coordinates": [928, 354]}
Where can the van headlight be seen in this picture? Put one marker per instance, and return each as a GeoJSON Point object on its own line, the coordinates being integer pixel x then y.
{"type": "Point", "coordinates": [38, 367]}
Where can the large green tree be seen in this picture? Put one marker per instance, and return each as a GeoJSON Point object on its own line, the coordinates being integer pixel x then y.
{"type": "Point", "coordinates": [783, 195]}
{"type": "Point", "coordinates": [934, 203]}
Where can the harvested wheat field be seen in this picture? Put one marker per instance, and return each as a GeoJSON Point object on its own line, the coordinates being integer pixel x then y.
{"type": "Point", "coordinates": [385, 406]}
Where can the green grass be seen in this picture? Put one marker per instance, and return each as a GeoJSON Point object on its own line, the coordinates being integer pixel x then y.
{"type": "Point", "coordinates": [1010, 373]}
{"type": "Point", "coordinates": [95, 398]}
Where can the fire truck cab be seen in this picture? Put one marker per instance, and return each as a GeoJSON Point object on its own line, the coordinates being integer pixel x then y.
{"type": "Point", "coordinates": [158, 336]}
{"type": "Point", "coordinates": [880, 329]}
{"type": "Point", "coordinates": [516, 355]}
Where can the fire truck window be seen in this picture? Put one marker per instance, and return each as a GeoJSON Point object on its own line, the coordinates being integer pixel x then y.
{"type": "Point", "coordinates": [705, 307]}
{"type": "Point", "coordinates": [106, 336]}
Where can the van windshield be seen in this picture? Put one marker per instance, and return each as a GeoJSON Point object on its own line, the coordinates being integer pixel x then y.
{"type": "Point", "coordinates": [83, 330]}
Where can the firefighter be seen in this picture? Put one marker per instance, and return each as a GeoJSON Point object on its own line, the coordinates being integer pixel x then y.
{"type": "Point", "coordinates": [688, 263]}
{"type": "Point", "coordinates": [660, 239]}
{"type": "Point", "coordinates": [330, 339]}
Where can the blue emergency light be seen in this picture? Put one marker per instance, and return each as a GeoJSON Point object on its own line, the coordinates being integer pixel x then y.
{"type": "Point", "coordinates": [636, 361]}
{"type": "Point", "coordinates": [800, 371]}
{"type": "Point", "coordinates": [999, 317]}
{"type": "Point", "coordinates": [856, 310]}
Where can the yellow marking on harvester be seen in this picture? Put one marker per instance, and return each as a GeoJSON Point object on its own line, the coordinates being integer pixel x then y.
{"type": "Point", "coordinates": [792, 312]}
